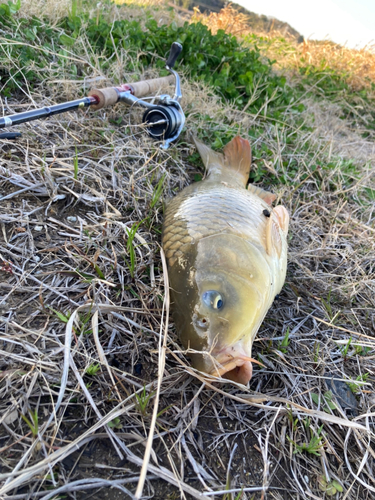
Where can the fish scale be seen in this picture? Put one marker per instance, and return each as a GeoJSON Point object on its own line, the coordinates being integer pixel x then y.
{"type": "Point", "coordinates": [201, 211]}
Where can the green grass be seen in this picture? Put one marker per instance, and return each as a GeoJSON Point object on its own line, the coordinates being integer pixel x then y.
{"type": "Point", "coordinates": [131, 260]}
{"type": "Point", "coordinates": [283, 345]}
{"type": "Point", "coordinates": [33, 423]}
{"type": "Point", "coordinates": [360, 380]}
{"type": "Point", "coordinates": [330, 488]}
{"type": "Point", "coordinates": [235, 73]}
{"type": "Point", "coordinates": [313, 445]}
{"type": "Point", "coordinates": [93, 369]}
{"type": "Point", "coordinates": [142, 401]}
{"type": "Point", "coordinates": [325, 401]}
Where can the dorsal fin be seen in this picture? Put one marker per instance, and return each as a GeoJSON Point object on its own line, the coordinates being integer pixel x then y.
{"type": "Point", "coordinates": [238, 156]}
{"type": "Point", "coordinates": [235, 160]}
{"type": "Point", "coordinates": [265, 195]}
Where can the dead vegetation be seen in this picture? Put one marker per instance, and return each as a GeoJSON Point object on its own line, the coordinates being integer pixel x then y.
{"type": "Point", "coordinates": [228, 20]}
{"type": "Point", "coordinates": [85, 328]}
{"type": "Point", "coordinates": [357, 65]}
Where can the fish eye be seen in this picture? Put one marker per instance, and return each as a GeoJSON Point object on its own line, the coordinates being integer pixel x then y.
{"type": "Point", "coordinates": [213, 299]}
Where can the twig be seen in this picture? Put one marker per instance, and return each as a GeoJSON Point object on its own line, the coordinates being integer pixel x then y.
{"type": "Point", "coordinates": [162, 349]}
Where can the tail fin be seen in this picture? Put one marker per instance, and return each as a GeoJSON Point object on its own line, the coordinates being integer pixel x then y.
{"type": "Point", "coordinates": [236, 158]}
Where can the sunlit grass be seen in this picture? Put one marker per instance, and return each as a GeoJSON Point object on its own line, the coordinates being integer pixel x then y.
{"type": "Point", "coordinates": [355, 66]}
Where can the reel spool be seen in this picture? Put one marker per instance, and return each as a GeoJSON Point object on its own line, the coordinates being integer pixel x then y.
{"type": "Point", "coordinates": [163, 122]}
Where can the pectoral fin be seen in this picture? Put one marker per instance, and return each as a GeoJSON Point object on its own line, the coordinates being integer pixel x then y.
{"type": "Point", "coordinates": [273, 237]}
{"type": "Point", "coordinates": [277, 222]}
{"type": "Point", "coordinates": [282, 216]}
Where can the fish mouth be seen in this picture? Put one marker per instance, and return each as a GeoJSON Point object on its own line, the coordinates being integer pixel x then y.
{"type": "Point", "coordinates": [234, 366]}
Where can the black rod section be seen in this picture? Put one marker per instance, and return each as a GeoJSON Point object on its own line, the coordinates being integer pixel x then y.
{"type": "Point", "coordinates": [36, 114]}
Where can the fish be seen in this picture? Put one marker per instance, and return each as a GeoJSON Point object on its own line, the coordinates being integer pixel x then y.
{"type": "Point", "coordinates": [226, 252]}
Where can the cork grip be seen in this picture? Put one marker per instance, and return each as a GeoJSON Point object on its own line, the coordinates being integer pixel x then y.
{"type": "Point", "coordinates": [106, 97]}
{"type": "Point", "coordinates": [149, 87]}
{"type": "Point", "coordinates": [110, 95]}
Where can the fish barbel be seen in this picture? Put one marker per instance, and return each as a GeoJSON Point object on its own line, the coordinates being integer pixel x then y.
{"type": "Point", "coordinates": [226, 251]}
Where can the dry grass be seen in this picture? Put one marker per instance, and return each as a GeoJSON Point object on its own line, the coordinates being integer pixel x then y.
{"type": "Point", "coordinates": [357, 66]}
{"type": "Point", "coordinates": [119, 9]}
{"type": "Point", "coordinates": [53, 10]}
{"type": "Point", "coordinates": [70, 190]}
{"type": "Point", "coordinates": [228, 19]}
{"type": "Point", "coordinates": [341, 139]}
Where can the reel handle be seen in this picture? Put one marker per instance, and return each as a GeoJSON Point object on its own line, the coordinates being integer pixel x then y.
{"type": "Point", "coordinates": [173, 54]}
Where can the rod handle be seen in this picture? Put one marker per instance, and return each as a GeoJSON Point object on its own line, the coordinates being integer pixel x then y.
{"type": "Point", "coordinates": [151, 87]}
{"type": "Point", "coordinates": [110, 95]}
{"type": "Point", "coordinates": [104, 97]}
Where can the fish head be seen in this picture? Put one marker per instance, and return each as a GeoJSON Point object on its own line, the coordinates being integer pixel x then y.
{"type": "Point", "coordinates": [221, 302]}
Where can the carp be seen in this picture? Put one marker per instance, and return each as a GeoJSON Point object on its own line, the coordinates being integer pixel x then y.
{"type": "Point", "coordinates": [226, 250]}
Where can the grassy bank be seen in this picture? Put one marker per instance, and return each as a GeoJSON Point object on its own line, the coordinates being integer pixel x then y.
{"type": "Point", "coordinates": [82, 283]}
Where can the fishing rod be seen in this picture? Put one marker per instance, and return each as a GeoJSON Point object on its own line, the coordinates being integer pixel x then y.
{"type": "Point", "coordinates": [164, 118]}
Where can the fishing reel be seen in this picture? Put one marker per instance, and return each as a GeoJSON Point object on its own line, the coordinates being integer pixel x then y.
{"type": "Point", "coordinates": [163, 118]}
{"type": "Point", "coordinates": [166, 120]}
